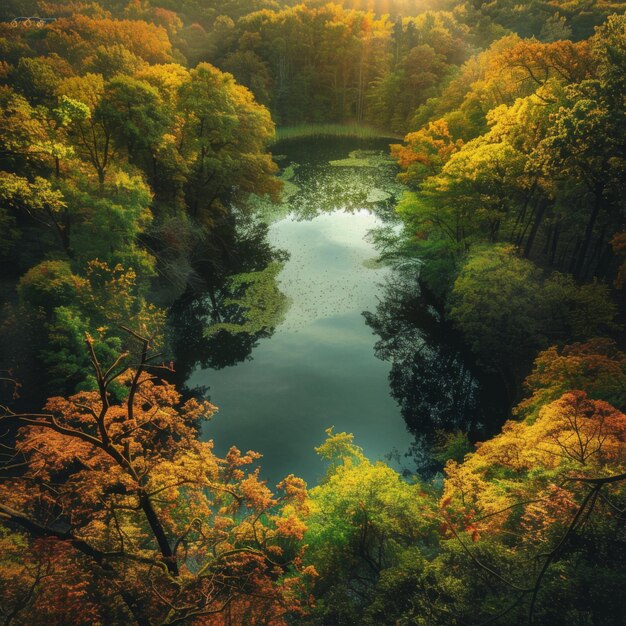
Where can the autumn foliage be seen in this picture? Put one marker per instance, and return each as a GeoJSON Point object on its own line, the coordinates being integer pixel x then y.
{"type": "Point", "coordinates": [133, 141]}
{"type": "Point", "coordinates": [572, 437]}
{"type": "Point", "coordinates": [139, 517]}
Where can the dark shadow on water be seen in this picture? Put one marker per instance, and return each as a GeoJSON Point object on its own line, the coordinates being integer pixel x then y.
{"type": "Point", "coordinates": [238, 245]}
{"type": "Point", "coordinates": [434, 377]}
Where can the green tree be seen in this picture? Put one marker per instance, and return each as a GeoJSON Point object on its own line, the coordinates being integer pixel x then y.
{"type": "Point", "coordinates": [91, 133]}
{"type": "Point", "coordinates": [223, 141]}
{"type": "Point", "coordinates": [505, 306]}
{"type": "Point", "coordinates": [135, 113]}
{"type": "Point", "coordinates": [364, 517]}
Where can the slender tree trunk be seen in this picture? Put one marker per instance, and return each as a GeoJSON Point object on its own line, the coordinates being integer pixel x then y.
{"type": "Point", "coordinates": [595, 254]}
{"type": "Point", "coordinates": [582, 253]}
{"type": "Point", "coordinates": [539, 213]}
{"type": "Point", "coordinates": [546, 245]}
{"type": "Point", "coordinates": [555, 243]}
{"type": "Point", "coordinates": [565, 252]}
{"type": "Point", "coordinates": [65, 239]}
{"type": "Point", "coordinates": [603, 267]}
{"type": "Point", "coordinates": [574, 258]}
{"type": "Point", "coordinates": [521, 216]}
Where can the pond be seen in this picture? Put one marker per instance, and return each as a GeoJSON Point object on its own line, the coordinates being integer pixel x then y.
{"type": "Point", "coordinates": [318, 368]}
{"type": "Point", "coordinates": [303, 341]}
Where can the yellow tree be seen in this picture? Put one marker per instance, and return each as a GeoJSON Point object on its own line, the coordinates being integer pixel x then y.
{"type": "Point", "coordinates": [572, 439]}
{"type": "Point", "coordinates": [536, 488]}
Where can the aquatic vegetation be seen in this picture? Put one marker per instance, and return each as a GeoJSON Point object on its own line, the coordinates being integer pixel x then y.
{"type": "Point", "coordinates": [364, 178]}
{"type": "Point", "coordinates": [364, 158]}
{"type": "Point", "coordinates": [358, 131]}
{"type": "Point", "coordinates": [377, 195]}
{"type": "Point", "coordinates": [259, 305]}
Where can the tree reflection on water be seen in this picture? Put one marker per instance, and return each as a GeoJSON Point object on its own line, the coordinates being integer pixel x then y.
{"type": "Point", "coordinates": [434, 377]}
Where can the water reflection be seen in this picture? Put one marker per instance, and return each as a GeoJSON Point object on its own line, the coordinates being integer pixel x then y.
{"type": "Point", "coordinates": [360, 347]}
{"type": "Point", "coordinates": [335, 175]}
{"type": "Point", "coordinates": [318, 369]}
{"type": "Point", "coordinates": [239, 244]}
{"type": "Point", "coordinates": [433, 377]}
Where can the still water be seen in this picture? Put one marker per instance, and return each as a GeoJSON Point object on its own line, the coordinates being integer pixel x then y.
{"type": "Point", "coordinates": [318, 368]}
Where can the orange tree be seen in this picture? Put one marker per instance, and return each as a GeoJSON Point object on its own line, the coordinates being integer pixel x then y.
{"type": "Point", "coordinates": [116, 512]}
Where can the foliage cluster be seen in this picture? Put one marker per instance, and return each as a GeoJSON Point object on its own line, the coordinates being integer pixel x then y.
{"type": "Point", "coordinates": [517, 199]}
{"type": "Point", "coordinates": [126, 163]}
{"type": "Point", "coordinates": [120, 167]}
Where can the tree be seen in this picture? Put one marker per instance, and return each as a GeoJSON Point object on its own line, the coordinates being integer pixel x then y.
{"type": "Point", "coordinates": [38, 78]}
{"type": "Point", "coordinates": [223, 140]}
{"type": "Point", "coordinates": [22, 134]}
{"type": "Point", "coordinates": [114, 60]}
{"type": "Point", "coordinates": [142, 518]}
{"type": "Point", "coordinates": [252, 72]}
{"type": "Point", "coordinates": [396, 95]}
{"type": "Point", "coordinates": [363, 517]}
{"type": "Point", "coordinates": [109, 223]}
{"type": "Point", "coordinates": [76, 37]}
{"type": "Point", "coordinates": [570, 62]}
{"type": "Point", "coordinates": [496, 302]}
{"type": "Point", "coordinates": [555, 480]}
{"type": "Point", "coordinates": [57, 307]}
{"type": "Point", "coordinates": [40, 201]}
{"type": "Point", "coordinates": [596, 367]}
{"type": "Point", "coordinates": [506, 307]}
{"type": "Point", "coordinates": [425, 152]}
{"type": "Point", "coordinates": [135, 112]}
{"type": "Point", "coordinates": [583, 147]}
{"type": "Point", "coordinates": [90, 132]}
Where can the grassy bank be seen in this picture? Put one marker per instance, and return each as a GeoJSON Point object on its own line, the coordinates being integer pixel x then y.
{"type": "Point", "coordinates": [359, 131]}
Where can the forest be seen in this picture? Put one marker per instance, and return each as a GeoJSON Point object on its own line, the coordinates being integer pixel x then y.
{"type": "Point", "coordinates": [160, 164]}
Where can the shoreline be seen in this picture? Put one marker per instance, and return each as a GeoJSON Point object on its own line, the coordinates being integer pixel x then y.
{"type": "Point", "coordinates": [357, 131]}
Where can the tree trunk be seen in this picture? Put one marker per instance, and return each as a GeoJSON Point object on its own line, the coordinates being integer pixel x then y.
{"type": "Point", "coordinates": [582, 253]}
{"type": "Point", "coordinates": [555, 243]}
{"type": "Point", "coordinates": [546, 245]}
{"type": "Point", "coordinates": [539, 213]}
{"type": "Point", "coordinates": [574, 257]}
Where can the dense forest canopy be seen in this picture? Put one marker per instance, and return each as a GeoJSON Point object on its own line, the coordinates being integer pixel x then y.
{"type": "Point", "coordinates": [136, 138]}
